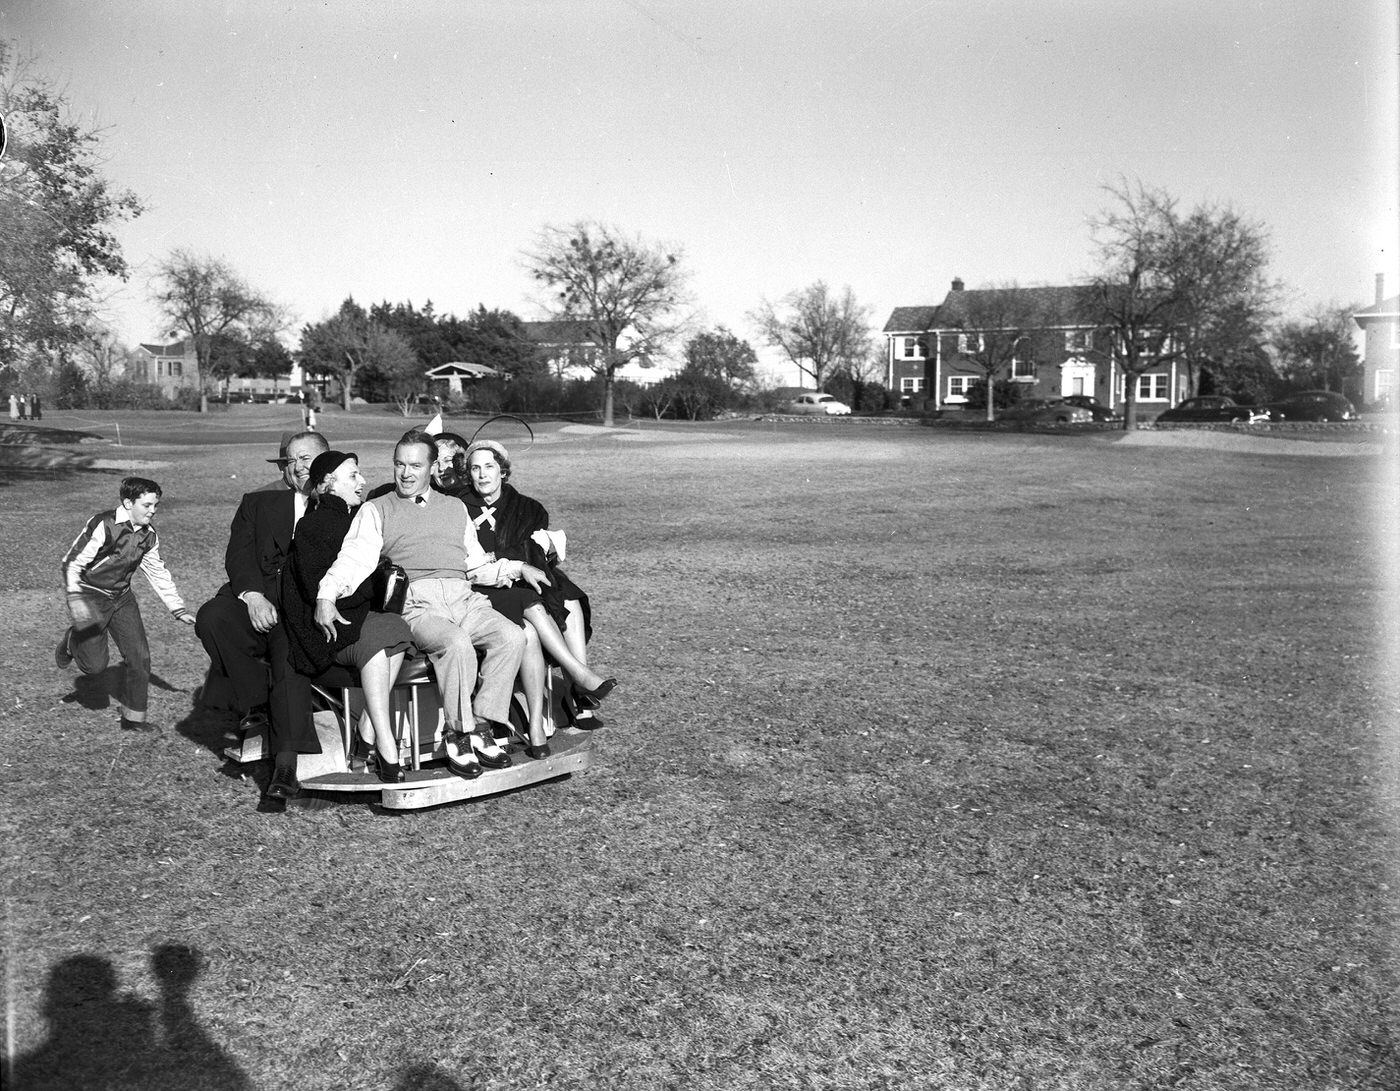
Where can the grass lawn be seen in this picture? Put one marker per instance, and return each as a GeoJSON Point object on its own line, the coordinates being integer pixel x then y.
{"type": "Point", "coordinates": [941, 760]}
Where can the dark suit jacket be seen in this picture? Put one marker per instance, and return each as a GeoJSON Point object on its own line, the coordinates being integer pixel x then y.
{"type": "Point", "coordinates": [259, 539]}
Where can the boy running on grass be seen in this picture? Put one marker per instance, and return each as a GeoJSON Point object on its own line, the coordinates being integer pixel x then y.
{"type": "Point", "coordinates": [97, 573]}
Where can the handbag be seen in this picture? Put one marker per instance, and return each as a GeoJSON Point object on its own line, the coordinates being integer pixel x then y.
{"type": "Point", "coordinates": [389, 585]}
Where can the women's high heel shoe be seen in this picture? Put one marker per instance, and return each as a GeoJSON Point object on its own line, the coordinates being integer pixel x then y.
{"type": "Point", "coordinates": [361, 750]}
{"type": "Point", "coordinates": [592, 698]}
{"type": "Point", "coordinates": [388, 772]}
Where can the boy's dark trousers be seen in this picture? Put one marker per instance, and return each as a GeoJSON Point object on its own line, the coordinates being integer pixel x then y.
{"type": "Point", "coordinates": [94, 616]}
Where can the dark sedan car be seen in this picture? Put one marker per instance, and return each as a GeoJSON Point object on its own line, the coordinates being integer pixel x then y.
{"type": "Point", "coordinates": [1100, 411]}
{"type": "Point", "coordinates": [1045, 411]}
{"type": "Point", "coordinates": [1311, 405]}
{"type": "Point", "coordinates": [1213, 408]}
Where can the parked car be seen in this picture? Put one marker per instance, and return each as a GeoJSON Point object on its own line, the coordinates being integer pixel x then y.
{"type": "Point", "coordinates": [1311, 405]}
{"type": "Point", "coordinates": [1046, 411]}
{"type": "Point", "coordinates": [1213, 408]}
{"type": "Point", "coordinates": [1100, 411]}
{"type": "Point", "coordinates": [818, 403]}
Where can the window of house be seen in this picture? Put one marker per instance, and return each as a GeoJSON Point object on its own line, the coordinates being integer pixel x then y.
{"type": "Point", "coordinates": [1079, 340]}
{"type": "Point", "coordinates": [1152, 388]}
{"type": "Point", "coordinates": [970, 342]}
{"type": "Point", "coordinates": [911, 348]}
{"type": "Point", "coordinates": [177, 369]}
{"type": "Point", "coordinates": [959, 385]}
{"type": "Point", "coordinates": [1385, 383]}
{"type": "Point", "coordinates": [1022, 360]}
{"type": "Point", "coordinates": [911, 384]}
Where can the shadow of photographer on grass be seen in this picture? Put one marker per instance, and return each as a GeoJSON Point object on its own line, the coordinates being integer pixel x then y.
{"type": "Point", "coordinates": [101, 1039]}
{"type": "Point", "coordinates": [104, 1040]}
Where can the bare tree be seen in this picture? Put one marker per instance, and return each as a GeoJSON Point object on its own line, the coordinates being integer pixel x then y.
{"type": "Point", "coordinates": [204, 299]}
{"type": "Point", "coordinates": [817, 330]}
{"type": "Point", "coordinates": [1176, 288]}
{"type": "Point", "coordinates": [1002, 329]}
{"type": "Point", "coordinates": [1134, 297]}
{"type": "Point", "coordinates": [102, 356]}
{"type": "Point", "coordinates": [625, 292]}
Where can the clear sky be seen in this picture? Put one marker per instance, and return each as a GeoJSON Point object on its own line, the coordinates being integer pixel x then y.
{"type": "Point", "coordinates": [410, 151]}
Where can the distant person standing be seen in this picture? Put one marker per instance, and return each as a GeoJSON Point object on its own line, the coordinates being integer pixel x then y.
{"type": "Point", "coordinates": [97, 571]}
{"type": "Point", "coordinates": [24, 407]}
{"type": "Point", "coordinates": [14, 407]}
{"type": "Point", "coordinates": [34, 407]}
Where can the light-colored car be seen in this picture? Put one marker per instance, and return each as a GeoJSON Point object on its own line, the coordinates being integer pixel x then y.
{"type": "Point", "coordinates": [1046, 411]}
{"type": "Point", "coordinates": [818, 403]}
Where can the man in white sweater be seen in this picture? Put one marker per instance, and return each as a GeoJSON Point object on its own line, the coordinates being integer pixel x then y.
{"type": "Point", "coordinates": [429, 536]}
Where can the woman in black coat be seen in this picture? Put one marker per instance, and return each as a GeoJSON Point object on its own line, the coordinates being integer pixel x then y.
{"type": "Point", "coordinates": [372, 643]}
{"type": "Point", "coordinates": [557, 618]}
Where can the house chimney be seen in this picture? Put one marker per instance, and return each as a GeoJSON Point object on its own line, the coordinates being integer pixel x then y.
{"type": "Point", "coordinates": [1380, 287]}
{"type": "Point", "coordinates": [957, 284]}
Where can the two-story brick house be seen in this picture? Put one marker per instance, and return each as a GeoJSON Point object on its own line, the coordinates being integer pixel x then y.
{"type": "Point", "coordinates": [1046, 338]}
{"type": "Point", "coordinates": [1380, 356]}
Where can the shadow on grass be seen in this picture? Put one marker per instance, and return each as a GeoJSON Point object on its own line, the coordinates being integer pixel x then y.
{"type": "Point", "coordinates": [94, 691]}
{"type": "Point", "coordinates": [23, 464]}
{"type": "Point", "coordinates": [100, 1038]}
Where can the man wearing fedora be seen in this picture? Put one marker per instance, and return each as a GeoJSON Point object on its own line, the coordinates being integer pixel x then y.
{"type": "Point", "coordinates": [241, 628]}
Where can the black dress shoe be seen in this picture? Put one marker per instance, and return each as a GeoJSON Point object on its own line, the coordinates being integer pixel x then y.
{"type": "Point", "coordinates": [61, 655]}
{"type": "Point", "coordinates": [255, 719]}
{"type": "Point", "coordinates": [538, 753]}
{"type": "Point", "coordinates": [466, 766]}
{"type": "Point", "coordinates": [499, 760]}
{"type": "Point", "coordinates": [141, 726]}
{"type": "Point", "coordinates": [284, 784]}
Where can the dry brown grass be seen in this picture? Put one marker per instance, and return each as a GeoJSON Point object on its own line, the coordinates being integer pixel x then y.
{"type": "Point", "coordinates": [964, 761]}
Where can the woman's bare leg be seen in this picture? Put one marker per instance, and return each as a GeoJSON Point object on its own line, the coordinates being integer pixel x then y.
{"type": "Point", "coordinates": [532, 674]}
{"type": "Point", "coordinates": [377, 680]}
{"type": "Point", "coordinates": [552, 640]}
{"type": "Point", "coordinates": [573, 631]}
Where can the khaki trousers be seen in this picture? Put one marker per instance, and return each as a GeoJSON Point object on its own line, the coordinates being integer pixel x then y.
{"type": "Point", "coordinates": [449, 622]}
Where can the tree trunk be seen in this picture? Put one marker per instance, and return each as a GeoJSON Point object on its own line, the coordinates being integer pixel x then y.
{"type": "Point", "coordinates": [1130, 405]}
{"type": "Point", "coordinates": [608, 400]}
